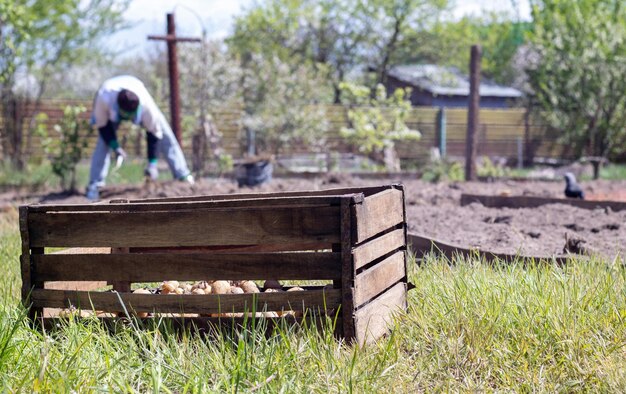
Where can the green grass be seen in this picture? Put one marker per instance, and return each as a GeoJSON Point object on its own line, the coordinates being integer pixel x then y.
{"type": "Point", "coordinates": [40, 176]}
{"type": "Point", "coordinates": [469, 327]}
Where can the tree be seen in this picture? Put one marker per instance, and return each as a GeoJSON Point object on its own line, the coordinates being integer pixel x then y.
{"type": "Point", "coordinates": [335, 37]}
{"type": "Point", "coordinates": [42, 37]}
{"type": "Point", "coordinates": [578, 80]}
{"type": "Point", "coordinates": [377, 122]}
{"type": "Point", "coordinates": [277, 101]}
{"type": "Point", "coordinates": [497, 33]}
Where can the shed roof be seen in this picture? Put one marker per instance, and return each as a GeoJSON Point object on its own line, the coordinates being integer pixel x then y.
{"type": "Point", "coordinates": [450, 81]}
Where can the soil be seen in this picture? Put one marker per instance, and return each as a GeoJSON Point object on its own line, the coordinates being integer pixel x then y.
{"type": "Point", "coordinates": [433, 210]}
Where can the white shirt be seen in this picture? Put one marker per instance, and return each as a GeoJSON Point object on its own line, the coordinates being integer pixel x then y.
{"type": "Point", "coordinates": [105, 107]}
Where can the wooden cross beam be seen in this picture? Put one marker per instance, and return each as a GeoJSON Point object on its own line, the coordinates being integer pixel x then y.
{"type": "Point", "coordinates": [172, 66]}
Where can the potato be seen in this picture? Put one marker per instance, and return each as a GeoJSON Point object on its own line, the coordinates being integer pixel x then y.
{"type": "Point", "coordinates": [249, 286]}
{"type": "Point", "coordinates": [198, 292]}
{"type": "Point", "coordinates": [208, 289]}
{"type": "Point", "coordinates": [236, 290]}
{"type": "Point", "coordinates": [295, 288]}
{"type": "Point", "coordinates": [272, 290]}
{"type": "Point", "coordinates": [221, 287]}
{"type": "Point", "coordinates": [169, 287]}
{"type": "Point", "coordinates": [272, 284]}
{"type": "Point", "coordinates": [188, 288]}
{"type": "Point", "coordinates": [142, 291]}
{"type": "Point", "coordinates": [179, 290]}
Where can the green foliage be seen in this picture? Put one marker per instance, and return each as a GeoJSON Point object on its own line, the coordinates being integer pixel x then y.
{"type": "Point", "coordinates": [333, 37]}
{"type": "Point", "coordinates": [578, 77]}
{"type": "Point", "coordinates": [277, 101]}
{"type": "Point", "coordinates": [66, 145]}
{"type": "Point", "coordinates": [443, 170]}
{"type": "Point", "coordinates": [377, 122]}
{"type": "Point", "coordinates": [499, 36]}
{"type": "Point", "coordinates": [487, 168]}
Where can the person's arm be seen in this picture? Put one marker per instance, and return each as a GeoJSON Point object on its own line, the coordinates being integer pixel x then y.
{"type": "Point", "coordinates": [109, 135]}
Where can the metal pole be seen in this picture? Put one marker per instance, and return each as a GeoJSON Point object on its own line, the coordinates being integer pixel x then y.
{"type": "Point", "coordinates": [472, 114]}
{"type": "Point", "coordinates": [172, 65]}
{"type": "Point", "coordinates": [520, 153]}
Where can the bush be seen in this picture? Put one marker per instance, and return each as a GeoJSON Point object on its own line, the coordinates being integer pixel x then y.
{"type": "Point", "coordinates": [66, 146]}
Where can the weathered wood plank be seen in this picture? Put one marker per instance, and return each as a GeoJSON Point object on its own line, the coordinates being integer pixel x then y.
{"type": "Point", "coordinates": [329, 193]}
{"type": "Point", "coordinates": [534, 201]}
{"type": "Point", "coordinates": [368, 284]}
{"type": "Point", "coordinates": [230, 249]}
{"type": "Point", "coordinates": [201, 325]}
{"type": "Point", "coordinates": [153, 267]}
{"type": "Point", "coordinates": [421, 245]}
{"type": "Point", "coordinates": [110, 301]}
{"type": "Point", "coordinates": [347, 271]}
{"type": "Point", "coordinates": [378, 247]}
{"type": "Point", "coordinates": [189, 203]}
{"type": "Point", "coordinates": [77, 285]}
{"type": "Point", "coordinates": [378, 213]}
{"type": "Point", "coordinates": [374, 319]}
{"type": "Point", "coordinates": [25, 256]}
{"type": "Point", "coordinates": [185, 228]}
{"type": "Point", "coordinates": [248, 200]}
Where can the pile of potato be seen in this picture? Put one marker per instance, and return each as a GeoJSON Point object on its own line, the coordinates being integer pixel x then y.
{"type": "Point", "coordinates": [220, 287]}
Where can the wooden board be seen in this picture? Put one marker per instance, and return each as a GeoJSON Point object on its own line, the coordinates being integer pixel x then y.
{"type": "Point", "coordinates": [373, 281]}
{"type": "Point", "coordinates": [153, 267]}
{"type": "Point", "coordinates": [110, 301]}
{"type": "Point", "coordinates": [185, 228]}
{"type": "Point", "coordinates": [421, 244]}
{"type": "Point", "coordinates": [330, 194]}
{"type": "Point", "coordinates": [375, 319]}
{"type": "Point", "coordinates": [533, 202]}
{"type": "Point", "coordinates": [192, 203]}
{"type": "Point", "coordinates": [206, 325]}
{"type": "Point", "coordinates": [377, 213]}
{"type": "Point", "coordinates": [378, 247]}
{"type": "Point", "coordinates": [78, 285]}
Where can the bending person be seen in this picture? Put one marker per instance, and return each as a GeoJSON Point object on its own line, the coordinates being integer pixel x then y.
{"type": "Point", "coordinates": [125, 98]}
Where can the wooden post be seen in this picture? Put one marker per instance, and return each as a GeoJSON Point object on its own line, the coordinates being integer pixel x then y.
{"type": "Point", "coordinates": [472, 114]}
{"type": "Point", "coordinates": [441, 128]}
{"type": "Point", "coordinates": [172, 66]}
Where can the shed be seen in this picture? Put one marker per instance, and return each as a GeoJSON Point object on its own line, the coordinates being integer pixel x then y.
{"type": "Point", "coordinates": [439, 86]}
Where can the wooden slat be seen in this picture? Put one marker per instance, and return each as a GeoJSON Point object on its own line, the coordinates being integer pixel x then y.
{"type": "Point", "coordinates": [193, 203]}
{"type": "Point", "coordinates": [378, 247]}
{"type": "Point", "coordinates": [369, 190]}
{"type": "Point", "coordinates": [378, 213]}
{"type": "Point", "coordinates": [186, 228]}
{"type": "Point", "coordinates": [78, 285]}
{"type": "Point", "coordinates": [25, 256]}
{"type": "Point", "coordinates": [234, 249]}
{"type": "Point", "coordinates": [83, 251]}
{"type": "Point", "coordinates": [348, 271]}
{"type": "Point", "coordinates": [421, 245]}
{"type": "Point", "coordinates": [109, 301]}
{"type": "Point", "coordinates": [201, 325]}
{"type": "Point", "coordinates": [374, 319]}
{"type": "Point", "coordinates": [533, 202]}
{"type": "Point", "coordinates": [153, 267]}
{"type": "Point", "coordinates": [375, 280]}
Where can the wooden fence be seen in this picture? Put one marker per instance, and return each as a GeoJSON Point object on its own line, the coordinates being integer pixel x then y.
{"type": "Point", "coordinates": [500, 132]}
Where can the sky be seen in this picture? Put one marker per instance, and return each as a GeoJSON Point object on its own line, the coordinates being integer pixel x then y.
{"type": "Point", "coordinates": [215, 18]}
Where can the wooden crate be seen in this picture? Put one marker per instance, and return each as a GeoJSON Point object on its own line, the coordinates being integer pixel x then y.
{"type": "Point", "coordinates": [355, 239]}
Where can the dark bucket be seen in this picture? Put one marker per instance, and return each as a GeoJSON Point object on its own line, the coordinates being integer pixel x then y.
{"type": "Point", "coordinates": [253, 174]}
